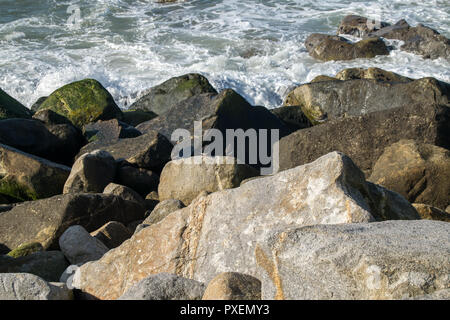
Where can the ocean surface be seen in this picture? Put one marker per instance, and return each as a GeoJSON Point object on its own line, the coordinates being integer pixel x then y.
{"type": "Point", "coordinates": [253, 46]}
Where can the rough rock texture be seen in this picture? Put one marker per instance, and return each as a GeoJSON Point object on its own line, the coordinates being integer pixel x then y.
{"type": "Point", "coordinates": [165, 286]}
{"type": "Point", "coordinates": [27, 177]}
{"type": "Point", "coordinates": [112, 234]}
{"type": "Point", "coordinates": [83, 102]}
{"type": "Point", "coordinates": [25, 286]}
{"type": "Point", "coordinates": [219, 232]}
{"type": "Point", "coordinates": [233, 286]}
{"type": "Point", "coordinates": [443, 294]}
{"type": "Point", "coordinates": [420, 40]}
{"type": "Point", "coordinates": [80, 247]}
{"type": "Point", "coordinates": [327, 47]}
{"type": "Point", "coordinates": [124, 192]}
{"type": "Point", "coordinates": [45, 220]}
{"type": "Point", "coordinates": [371, 73]}
{"type": "Point", "coordinates": [322, 101]}
{"type": "Point", "coordinates": [185, 178]}
{"type": "Point", "coordinates": [149, 151]}
{"type": "Point", "coordinates": [92, 172]}
{"type": "Point", "coordinates": [164, 96]}
{"type": "Point", "coordinates": [385, 260]}
{"type": "Point", "coordinates": [162, 210]}
{"type": "Point", "coordinates": [359, 26]}
{"type": "Point", "coordinates": [109, 130]}
{"type": "Point", "coordinates": [431, 213]}
{"type": "Point", "coordinates": [58, 143]}
{"type": "Point", "coordinates": [420, 172]}
{"type": "Point", "coordinates": [11, 108]}
{"type": "Point", "coordinates": [49, 265]}
{"type": "Point", "coordinates": [140, 180]}
{"type": "Point", "coordinates": [355, 136]}
{"type": "Point", "coordinates": [25, 250]}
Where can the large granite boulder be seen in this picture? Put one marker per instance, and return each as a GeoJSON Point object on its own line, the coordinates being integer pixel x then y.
{"type": "Point", "coordinates": [149, 151]}
{"type": "Point", "coordinates": [355, 136]}
{"type": "Point", "coordinates": [92, 172]}
{"type": "Point", "coordinates": [332, 48]}
{"type": "Point", "coordinates": [49, 265]}
{"type": "Point", "coordinates": [25, 286]}
{"type": "Point", "coordinates": [26, 177]}
{"type": "Point", "coordinates": [164, 286]}
{"type": "Point", "coordinates": [185, 178]}
{"type": "Point", "coordinates": [83, 102]}
{"type": "Point", "coordinates": [45, 220]}
{"type": "Point", "coordinates": [322, 101]}
{"type": "Point", "coordinates": [163, 97]}
{"type": "Point", "coordinates": [11, 108]}
{"type": "Point", "coordinates": [59, 143]}
{"type": "Point", "coordinates": [220, 232]}
{"type": "Point", "coordinates": [418, 171]}
{"type": "Point", "coordinates": [383, 260]}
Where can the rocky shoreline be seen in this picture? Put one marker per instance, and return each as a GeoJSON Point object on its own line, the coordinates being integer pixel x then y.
{"type": "Point", "coordinates": [93, 204]}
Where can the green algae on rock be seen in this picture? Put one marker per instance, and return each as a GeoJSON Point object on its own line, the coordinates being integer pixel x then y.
{"type": "Point", "coordinates": [83, 102]}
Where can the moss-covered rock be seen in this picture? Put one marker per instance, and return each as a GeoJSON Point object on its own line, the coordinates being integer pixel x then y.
{"type": "Point", "coordinates": [26, 249]}
{"type": "Point", "coordinates": [83, 102]}
{"type": "Point", "coordinates": [11, 108]}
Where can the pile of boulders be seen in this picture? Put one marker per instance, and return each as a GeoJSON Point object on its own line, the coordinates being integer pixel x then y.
{"type": "Point", "coordinates": [94, 205]}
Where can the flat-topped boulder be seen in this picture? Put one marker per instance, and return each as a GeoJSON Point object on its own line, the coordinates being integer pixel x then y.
{"type": "Point", "coordinates": [220, 232]}
{"type": "Point", "coordinates": [322, 101]}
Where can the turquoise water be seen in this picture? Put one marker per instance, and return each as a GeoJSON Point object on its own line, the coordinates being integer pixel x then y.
{"type": "Point", "coordinates": [253, 46]}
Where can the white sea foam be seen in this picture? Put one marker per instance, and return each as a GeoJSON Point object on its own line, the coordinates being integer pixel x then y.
{"type": "Point", "coordinates": [253, 46]}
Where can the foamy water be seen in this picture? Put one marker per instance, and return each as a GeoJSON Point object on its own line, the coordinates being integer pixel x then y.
{"type": "Point", "coordinates": [253, 46]}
